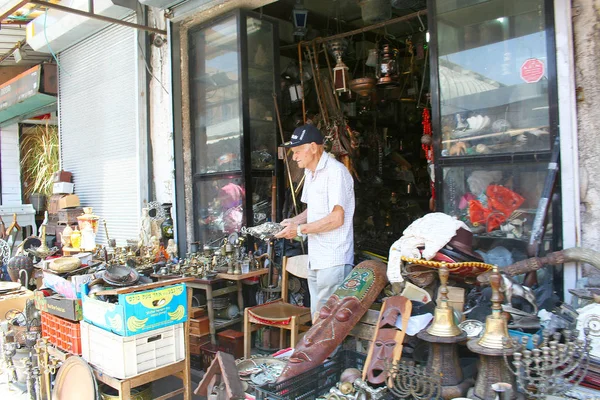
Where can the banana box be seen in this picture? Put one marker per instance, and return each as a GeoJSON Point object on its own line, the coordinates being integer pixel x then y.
{"type": "Point", "coordinates": [137, 312]}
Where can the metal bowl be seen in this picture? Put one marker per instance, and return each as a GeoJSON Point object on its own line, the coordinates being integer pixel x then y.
{"type": "Point", "coordinates": [363, 86]}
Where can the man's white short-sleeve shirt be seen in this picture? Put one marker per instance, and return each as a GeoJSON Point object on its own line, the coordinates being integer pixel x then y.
{"type": "Point", "coordinates": [330, 185]}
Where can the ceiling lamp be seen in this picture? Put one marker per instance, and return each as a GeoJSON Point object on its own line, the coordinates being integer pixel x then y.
{"type": "Point", "coordinates": [300, 18]}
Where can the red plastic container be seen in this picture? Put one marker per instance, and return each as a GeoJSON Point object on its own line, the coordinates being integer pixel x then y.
{"type": "Point", "coordinates": [63, 333]}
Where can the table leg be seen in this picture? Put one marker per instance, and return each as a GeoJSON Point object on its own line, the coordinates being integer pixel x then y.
{"type": "Point", "coordinates": [125, 390]}
{"type": "Point", "coordinates": [211, 314]}
{"type": "Point", "coordinates": [240, 296]}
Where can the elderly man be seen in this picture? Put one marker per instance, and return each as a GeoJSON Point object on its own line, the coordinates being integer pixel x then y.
{"type": "Point", "coordinates": [329, 196]}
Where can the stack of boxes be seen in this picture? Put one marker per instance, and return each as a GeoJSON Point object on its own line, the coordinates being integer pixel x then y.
{"type": "Point", "coordinates": [142, 330]}
{"type": "Point", "coordinates": [60, 321]}
{"type": "Point", "coordinates": [63, 207]}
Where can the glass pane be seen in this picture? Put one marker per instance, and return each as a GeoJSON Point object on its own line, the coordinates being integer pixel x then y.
{"type": "Point", "coordinates": [493, 76]}
{"type": "Point", "coordinates": [262, 199]}
{"type": "Point", "coordinates": [214, 96]}
{"type": "Point", "coordinates": [261, 88]}
{"type": "Point", "coordinates": [220, 209]}
{"type": "Point", "coordinates": [497, 201]}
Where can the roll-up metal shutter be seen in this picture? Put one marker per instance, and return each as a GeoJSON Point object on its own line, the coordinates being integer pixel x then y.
{"type": "Point", "coordinates": [99, 127]}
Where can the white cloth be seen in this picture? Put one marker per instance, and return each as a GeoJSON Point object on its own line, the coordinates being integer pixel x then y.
{"type": "Point", "coordinates": [330, 185]}
{"type": "Point", "coordinates": [433, 231]}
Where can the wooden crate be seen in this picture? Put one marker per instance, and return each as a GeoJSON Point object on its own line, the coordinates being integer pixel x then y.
{"type": "Point", "coordinates": [208, 352]}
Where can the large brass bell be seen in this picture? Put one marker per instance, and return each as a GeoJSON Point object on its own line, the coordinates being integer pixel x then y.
{"type": "Point", "coordinates": [443, 321]}
{"type": "Point", "coordinates": [496, 330]}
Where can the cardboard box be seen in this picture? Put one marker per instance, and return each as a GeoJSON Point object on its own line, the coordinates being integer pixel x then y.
{"type": "Point", "coordinates": [63, 187]}
{"type": "Point", "coordinates": [137, 312]}
{"type": "Point", "coordinates": [53, 204]}
{"type": "Point", "coordinates": [60, 306]}
{"type": "Point", "coordinates": [61, 176]}
{"type": "Point", "coordinates": [14, 301]}
{"type": "Point", "coordinates": [68, 201]}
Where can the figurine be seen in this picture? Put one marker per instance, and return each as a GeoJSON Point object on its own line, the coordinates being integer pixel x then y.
{"type": "Point", "coordinates": [172, 249]}
{"type": "Point", "coordinates": [154, 245]}
{"type": "Point", "coordinates": [146, 229]}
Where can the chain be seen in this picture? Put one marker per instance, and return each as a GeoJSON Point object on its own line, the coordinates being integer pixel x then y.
{"type": "Point", "coordinates": [450, 266]}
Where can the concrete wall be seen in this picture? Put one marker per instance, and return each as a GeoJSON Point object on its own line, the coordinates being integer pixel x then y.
{"type": "Point", "coordinates": [586, 31]}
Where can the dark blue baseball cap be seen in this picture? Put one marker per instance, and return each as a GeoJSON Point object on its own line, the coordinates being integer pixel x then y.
{"type": "Point", "coordinates": [305, 134]}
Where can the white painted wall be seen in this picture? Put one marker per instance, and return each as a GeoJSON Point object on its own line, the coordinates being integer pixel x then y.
{"type": "Point", "coordinates": [161, 116]}
{"type": "Point", "coordinates": [10, 167]}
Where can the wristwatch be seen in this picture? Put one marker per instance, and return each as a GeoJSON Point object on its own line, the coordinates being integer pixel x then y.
{"type": "Point", "coordinates": [299, 230]}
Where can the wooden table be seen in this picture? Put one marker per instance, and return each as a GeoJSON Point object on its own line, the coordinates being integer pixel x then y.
{"type": "Point", "coordinates": [206, 285]}
{"type": "Point", "coordinates": [180, 369]}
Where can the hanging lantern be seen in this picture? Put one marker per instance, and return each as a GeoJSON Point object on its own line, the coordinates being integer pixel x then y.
{"type": "Point", "coordinates": [341, 74]}
{"type": "Point", "coordinates": [387, 70]}
{"type": "Point", "coordinates": [300, 18]}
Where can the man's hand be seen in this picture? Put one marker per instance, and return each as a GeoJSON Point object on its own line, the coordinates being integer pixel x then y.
{"type": "Point", "coordinates": [289, 232]}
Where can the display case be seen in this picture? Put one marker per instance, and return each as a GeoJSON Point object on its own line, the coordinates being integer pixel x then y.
{"type": "Point", "coordinates": [494, 115]}
{"type": "Point", "coordinates": [234, 75]}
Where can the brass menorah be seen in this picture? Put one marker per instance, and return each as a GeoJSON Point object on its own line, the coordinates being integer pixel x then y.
{"type": "Point", "coordinates": [409, 381]}
{"type": "Point", "coordinates": [553, 366]}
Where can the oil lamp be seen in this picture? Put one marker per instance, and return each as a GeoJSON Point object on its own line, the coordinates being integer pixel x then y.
{"type": "Point", "coordinates": [387, 70]}
{"type": "Point", "coordinates": [341, 76]}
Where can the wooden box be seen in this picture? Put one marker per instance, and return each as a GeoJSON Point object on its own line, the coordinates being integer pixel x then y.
{"type": "Point", "coordinates": [197, 312]}
{"type": "Point", "coordinates": [232, 341]}
{"type": "Point", "coordinates": [197, 341]}
{"type": "Point", "coordinates": [200, 326]}
{"type": "Point", "coordinates": [208, 352]}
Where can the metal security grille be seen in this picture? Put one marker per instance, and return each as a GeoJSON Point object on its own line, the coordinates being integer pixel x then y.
{"type": "Point", "coordinates": [99, 127]}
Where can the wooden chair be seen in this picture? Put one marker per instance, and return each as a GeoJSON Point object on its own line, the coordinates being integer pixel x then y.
{"type": "Point", "coordinates": [279, 313]}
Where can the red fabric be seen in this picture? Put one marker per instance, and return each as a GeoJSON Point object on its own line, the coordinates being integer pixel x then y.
{"type": "Point", "coordinates": [502, 203]}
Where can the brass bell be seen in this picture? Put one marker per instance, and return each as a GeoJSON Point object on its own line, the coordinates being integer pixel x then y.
{"type": "Point", "coordinates": [496, 330]}
{"type": "Point", "coordinates": [443, 321]}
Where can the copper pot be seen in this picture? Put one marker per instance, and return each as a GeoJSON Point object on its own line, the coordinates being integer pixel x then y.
{"type": "Point", "coordinates": [363, 86]}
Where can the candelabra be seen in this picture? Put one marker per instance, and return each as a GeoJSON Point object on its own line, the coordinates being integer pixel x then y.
{"type": "Point", "coordinates": [442, 336]}
{"type": "Point", "coordinates": [551, 367]}
{"type": "Point", "coordinates": [407, 380]}
{"type": "Point", "coordinates": [47, 366]}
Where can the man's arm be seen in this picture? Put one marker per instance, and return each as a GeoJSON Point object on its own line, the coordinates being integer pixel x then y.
{"type": "Point", "coordinates": [332, 221]}
{"type": "Point", "coordinates": [298, 219]}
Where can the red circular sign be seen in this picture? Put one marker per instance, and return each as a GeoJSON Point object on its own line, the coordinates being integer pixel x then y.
{"type": "Point", "coordinates": [532, 70]}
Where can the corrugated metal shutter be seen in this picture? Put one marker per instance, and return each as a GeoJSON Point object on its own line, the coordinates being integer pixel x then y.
{"type": "Point", "coordinates": [99, 128]}
{"type": "Point", "coordinates": [9, 166]}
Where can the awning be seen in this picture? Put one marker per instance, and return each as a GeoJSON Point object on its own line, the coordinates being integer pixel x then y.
{"type": "Point", "coordinates": [29, 94]}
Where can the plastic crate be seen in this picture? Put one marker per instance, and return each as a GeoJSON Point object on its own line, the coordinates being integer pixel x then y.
{"type": "Point", "coordinates": [126, 356]}
{"type": "Point", "coordinates": [63, 333]}
{"type": "Point", "coordinates": [311, 384]}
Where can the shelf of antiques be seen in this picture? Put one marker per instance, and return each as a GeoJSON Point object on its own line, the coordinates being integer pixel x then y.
{"type": "Point", "coordinates": [495, 120]}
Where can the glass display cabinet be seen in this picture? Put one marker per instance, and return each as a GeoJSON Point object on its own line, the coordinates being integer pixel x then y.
{"type": "Point", "coordinates": [234, 73]}
{"type": "Point", "coordinates": [495, 114]}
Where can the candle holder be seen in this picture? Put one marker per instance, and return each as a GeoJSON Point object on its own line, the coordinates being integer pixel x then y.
{"type": "Point", "coordinates": [493, 345]}
{"type": "Point", "coordinates": [553, 366]}
{"type": "Point", "coordinates": [442, 336]}
{"type": "Point", "coordinates": [387, 69]}
{"type": "Point", "coordinates": [407, 381]}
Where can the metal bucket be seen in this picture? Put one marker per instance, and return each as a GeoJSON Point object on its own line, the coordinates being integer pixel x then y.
{"type": "Point", "coordinates": [373, 11]}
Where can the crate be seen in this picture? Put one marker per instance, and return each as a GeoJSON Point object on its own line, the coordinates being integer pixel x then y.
{"type": "Point", "coordinates": [208, 352]}
{"type": "Point", "coordinates": [126, 356]}
{"type": "Point", "coordinates": [69, 215]}
{"type": "Point", "coordinates": [63, 333]}
{"type": "Point", "coordinates": [315, 382]}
